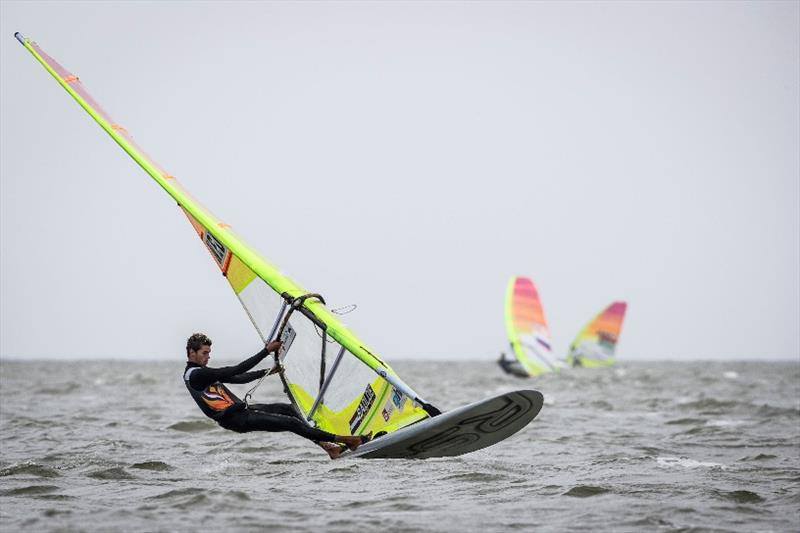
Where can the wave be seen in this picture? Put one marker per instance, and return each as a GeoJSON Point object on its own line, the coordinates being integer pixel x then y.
{"type": "Point", "coordinates": [404, 507]}
{"type": "Point", "coordinates": [194, 426]}
{"type": "Point", "coordinates": [87, 418]}
{"type": "Point", "coordinates": [59, 389]}
{"type": "Point", "coordinates": [31, 469]}
{"type": "Point", "coordinates": [739, 496]}
{"type": "Point", "coordinates": [685, 421]}
{"type": "Point", "coordinates": [31, 490]}
{"type": "Point", "coordinates": [192, 497]}
{"type": "Point", "coordinates": [759, 457]}
{"type": "Point", "coordinates": [701, 430]}
{"type": "Point", "coordinates": [50, 513]}
{"type": "Point", "coordinates": [650, 522]}
{"type": "Point", "coordinates": [725, 429]}
{"type": "Point", "coordinates": [586, 491]}
{"type": "Point", "coordinates": [767, 410]}
{"type": "Point", "coordinates": [710, 404]}
{"type": "Point", "coordinates": [156, 466]}
{"type": "Point", "coordinates": [651, 450]}
{"type": "Point", "coordinates": [715, 406]}
{"type": "Point", "coordinates": [55, 497]}
{"type": "Point", "coordinates": [349, 469]}
{"type": "Point", "coordinates": [111, 473]}
{"type": "Point", "coordinates": [36, 423]}
{"type": "Point", "coordinates": [481, 477]}
{"type": "Point", "coordinates": [237, 495]}
{"type": "Point", "coordinates": [183, 498]}
{"type": "Point", "coordinates": [178, 493]}
{"type": "Point", "coordinates": [602, 405]}
{"type": "Point", "coordinates": [259, 449]}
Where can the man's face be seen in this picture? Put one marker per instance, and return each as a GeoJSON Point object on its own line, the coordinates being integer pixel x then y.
{"type": "Point", "coordinates": [200, 356]}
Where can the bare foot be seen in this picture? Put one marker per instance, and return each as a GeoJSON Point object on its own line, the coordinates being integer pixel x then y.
{"type": "Point", "coordinates": [334, 450]}
{"type": "Point", "coordinates": [356, 440]}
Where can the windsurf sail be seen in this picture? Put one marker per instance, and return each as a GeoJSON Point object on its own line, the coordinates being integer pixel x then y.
{"type": "Point", "coordinates": [331, 376]}
{"type": "Point", "coordinates": [527, 328]}
{"type": "Point", "coordinates": [595, 344]}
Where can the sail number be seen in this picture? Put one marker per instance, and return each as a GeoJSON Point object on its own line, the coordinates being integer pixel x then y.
{"type": "Point", "coordinates": [216, 248]}
{"type": "Point", "coordinates": [363, 408]}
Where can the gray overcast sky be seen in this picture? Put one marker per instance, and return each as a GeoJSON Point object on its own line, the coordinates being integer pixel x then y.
{"type": "Point", "coordinates": [409, 158]}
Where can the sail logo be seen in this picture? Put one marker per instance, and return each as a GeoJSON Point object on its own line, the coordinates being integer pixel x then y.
{"type": "Point", "coordinates": [397, 398]}
{"type": "Point", "coordinates": [388, 409]}
{"type": "Point", "coordinates": [363, 408]}
{"type": "Point", "coordinates": [215, 247]}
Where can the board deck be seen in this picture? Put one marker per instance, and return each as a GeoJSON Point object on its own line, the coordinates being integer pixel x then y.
{"type": "Point", "coordinates": [462, 430]}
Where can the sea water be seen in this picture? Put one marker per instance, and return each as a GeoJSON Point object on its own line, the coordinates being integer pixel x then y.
{"type": "Point", "coordinates": [120, 446]}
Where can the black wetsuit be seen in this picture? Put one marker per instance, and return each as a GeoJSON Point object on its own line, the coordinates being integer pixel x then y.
{"type": "Point", "coordinates": [512, 367]}
{"type": "Point", "coordinates": [220, 404]}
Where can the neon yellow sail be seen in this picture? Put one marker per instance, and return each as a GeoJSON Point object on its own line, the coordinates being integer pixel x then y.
{"type": "Point", "coordinates": [339, 384]}
{"type": "Point", "coordinates": [528, 332]}
{"type": "Point", "coordinates": [595, 344]}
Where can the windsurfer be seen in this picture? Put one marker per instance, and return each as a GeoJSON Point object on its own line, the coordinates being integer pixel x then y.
{"type": "Point", "coordinates": [205, 384]}
{"type": "Point", "coordinates": [511, 366]}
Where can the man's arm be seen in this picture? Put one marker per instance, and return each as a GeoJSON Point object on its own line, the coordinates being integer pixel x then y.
{"type": "Point", "coordinates": [203, 377]}
{"type": "Point", "coordinates": [246, 377]}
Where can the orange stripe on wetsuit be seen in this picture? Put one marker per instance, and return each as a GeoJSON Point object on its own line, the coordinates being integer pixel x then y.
{"type": "Point", "coordinates": [217, 397]}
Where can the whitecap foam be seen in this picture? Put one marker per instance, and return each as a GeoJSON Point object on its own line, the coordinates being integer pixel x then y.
{"type": "Point", "coordinates": [731, 375]}
{"type": "Point", "coordinates": [685, 462]}
{"type": "Point", "coordinates": [725, 423]}
{"type": "Point", "coordinates": [226, 463]}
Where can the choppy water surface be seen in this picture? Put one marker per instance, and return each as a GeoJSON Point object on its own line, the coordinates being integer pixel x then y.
{"type": "Point", "coordinates": [120, 446]}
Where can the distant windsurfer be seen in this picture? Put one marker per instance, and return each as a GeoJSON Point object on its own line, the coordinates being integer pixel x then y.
{"type": "Point", "coordinates": [512, 367]}
{"type": "Point", "coordinates": [221, 405]}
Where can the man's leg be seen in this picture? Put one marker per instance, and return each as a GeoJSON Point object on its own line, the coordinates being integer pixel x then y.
{"type": "Point", "coordinates": [284, 417]}
{"type": "Point", "coordinates": [285, 409]}
{"type": "Point", "coordinates": [259, 420]}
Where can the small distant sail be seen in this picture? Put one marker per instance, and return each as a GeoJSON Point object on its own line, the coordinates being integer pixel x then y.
{"type": "Point", "coordinates": [595, 345]}
{"type": "Point", "coordinates": [527, 328]}
{"type": "Point", "coordinates": [330, 375]}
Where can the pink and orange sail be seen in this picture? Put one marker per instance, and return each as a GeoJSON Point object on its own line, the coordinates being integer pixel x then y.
{"type": "Point", "coordinates": [596, 343]}
{"type": "Point", "coordinates": [526, 325]}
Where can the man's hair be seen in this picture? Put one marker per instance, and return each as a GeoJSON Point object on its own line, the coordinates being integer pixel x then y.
{"type": "Point", "coordinates": [196, 341]}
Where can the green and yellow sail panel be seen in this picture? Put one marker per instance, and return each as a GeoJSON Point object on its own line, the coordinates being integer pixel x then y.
{"type": "Point", "coordinates": [339, 384]}
{"type": "Point", "coordinates": [596, 343]}
{"type": "Point", "coordinates": [526, 325]}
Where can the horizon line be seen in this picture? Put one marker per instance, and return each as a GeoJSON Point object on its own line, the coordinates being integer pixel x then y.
{"type": "Point", "coordinates": [794, 359]}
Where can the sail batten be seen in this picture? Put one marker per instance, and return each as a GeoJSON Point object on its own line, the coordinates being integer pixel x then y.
{"type": "Point", "coordinates": [368, 397]}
